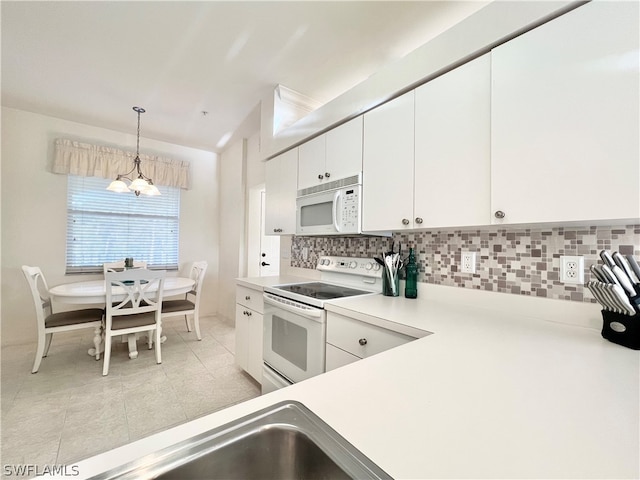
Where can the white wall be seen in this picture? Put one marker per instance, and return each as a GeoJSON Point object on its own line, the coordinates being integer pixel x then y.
{"type": "Point", "coordinates": [232, 226]}
{"type": "Point", "coordinates": [34, 210]}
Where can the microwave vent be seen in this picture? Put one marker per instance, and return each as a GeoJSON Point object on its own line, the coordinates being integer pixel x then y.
{"type": "Point", "coordinates": [344, 182]}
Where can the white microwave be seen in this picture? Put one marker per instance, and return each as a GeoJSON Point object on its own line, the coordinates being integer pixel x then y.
{"type": "Point", "coordinates": [332, 212]}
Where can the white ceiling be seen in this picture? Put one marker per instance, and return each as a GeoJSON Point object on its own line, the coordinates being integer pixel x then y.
{"type": "Point", "coordinates": [91, 62]}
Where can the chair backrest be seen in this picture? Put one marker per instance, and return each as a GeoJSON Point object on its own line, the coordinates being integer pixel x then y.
{"type": "Point", "coordinates": [39, 292]}
{"type": "Point", "coordinates": [198, 270]}
{"type": "Point", "coordinates": [119, 266]}
{"type": "Point", "coordinates": [134, 291]}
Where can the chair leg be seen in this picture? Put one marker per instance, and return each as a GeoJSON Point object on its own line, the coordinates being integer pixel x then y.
{"type": "Point", "coordinates": [39, 353]}
{"type": "Point", "coordinates": [186, 320]}
{"type": "Point", "coordinates": [196, 324]}
{"type": "Point", "coordinates": [158, 343]}
{"type": "Point", "coordinates": [97, 340]}
{"type": "Point", "coordinates": [49, 337]}
{"type": "Point", "coordinates": [107, 354]}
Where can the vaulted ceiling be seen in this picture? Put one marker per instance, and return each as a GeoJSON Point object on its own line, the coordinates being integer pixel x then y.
{"type": "Point", "coordinates": [92, 61]}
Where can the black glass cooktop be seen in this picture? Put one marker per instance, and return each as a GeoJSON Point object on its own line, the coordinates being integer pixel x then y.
{"type": "Point", "coordinates": [321, 291]}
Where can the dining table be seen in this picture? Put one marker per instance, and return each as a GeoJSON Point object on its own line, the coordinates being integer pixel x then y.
{"type": "Point", "coordinates": [95, 292]}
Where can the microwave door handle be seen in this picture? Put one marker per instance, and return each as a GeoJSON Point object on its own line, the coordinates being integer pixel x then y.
{"type": "Point", "coordinates": [336, 210]}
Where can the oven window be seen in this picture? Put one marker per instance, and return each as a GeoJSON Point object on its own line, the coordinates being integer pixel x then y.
{"type": "Point", "coordinates": [289, 341]}
{"type": "Point", "coordinates": [316, 214]}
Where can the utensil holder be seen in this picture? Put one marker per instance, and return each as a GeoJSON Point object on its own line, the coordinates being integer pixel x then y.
{"type": "Point", "coordinates": [621, 329]}
{"type": "Point", "coordinates": [386, 285]}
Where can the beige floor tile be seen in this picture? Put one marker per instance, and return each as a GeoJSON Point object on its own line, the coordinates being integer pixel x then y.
{"type": "Point", "coordinates": [69, 411]}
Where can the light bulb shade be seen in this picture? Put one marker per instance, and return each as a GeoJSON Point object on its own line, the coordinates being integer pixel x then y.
{"type": "Point", "coordinates": [139, 185]}
{"type": "Point", "coordinates": [151, 190]}
{"type": "Point", "coordinates": [118, 186]}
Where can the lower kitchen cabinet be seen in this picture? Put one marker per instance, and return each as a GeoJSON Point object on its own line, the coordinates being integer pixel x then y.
{"type": "Point", "coordinates": [349, 340]}
{"type": "Point", "coordinates": [249, 315]}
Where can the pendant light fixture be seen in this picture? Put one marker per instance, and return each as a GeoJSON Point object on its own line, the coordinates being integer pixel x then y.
{"type": "Point", "coordinates": [142, 183]}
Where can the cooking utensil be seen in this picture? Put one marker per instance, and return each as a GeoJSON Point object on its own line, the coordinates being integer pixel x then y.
{"type": "Point", "coordinates": [624, 265]}
{"type": "Point", "coordinates": [611, 278]}
{"type": "Point", "coordinates": [624, 280]}
{"type": "Point", "coordinates": [607, 258]}
{"type": "Point", "coordinates": [595, 289]}
{"type": "Point", "coordinates": [622, 299]}
{"type": "Point", "coordinates": [634, 265]}
{"type": "Point", "coordinates": [597, 272]}
{"type": "Point", "coordinates": [608, 297]}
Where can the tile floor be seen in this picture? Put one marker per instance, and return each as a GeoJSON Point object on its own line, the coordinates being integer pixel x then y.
{"type": "Point", "coordinates": [68, 411]}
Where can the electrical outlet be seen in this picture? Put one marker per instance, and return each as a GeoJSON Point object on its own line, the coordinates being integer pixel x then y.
{"type": "Point", "coordinates": [572, 269]}
{"type": "Point", "coordinates": [468, 262]}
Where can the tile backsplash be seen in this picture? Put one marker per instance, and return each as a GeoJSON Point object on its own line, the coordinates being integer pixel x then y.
{"type": "Point", "coordinates": [521, 261]}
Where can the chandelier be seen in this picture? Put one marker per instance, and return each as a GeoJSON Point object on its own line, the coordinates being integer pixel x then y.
{"type": "Point", "coordinates": [142, 183]}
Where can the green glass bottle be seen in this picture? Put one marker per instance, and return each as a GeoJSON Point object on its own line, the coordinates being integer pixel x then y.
{"type": "Point", "coordinates": [411, 283]}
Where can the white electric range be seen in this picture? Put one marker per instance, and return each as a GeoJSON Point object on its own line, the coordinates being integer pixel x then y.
{"type": "Point", "coordinates": [295, 319]}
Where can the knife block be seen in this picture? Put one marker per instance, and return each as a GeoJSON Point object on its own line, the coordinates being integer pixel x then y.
{"type": "Point", "coordinates": [625, 330]}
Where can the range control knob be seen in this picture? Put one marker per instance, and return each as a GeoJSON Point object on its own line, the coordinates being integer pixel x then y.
{"type": "Point", "coordinates": [376, 267]}
{"type": "Point", "coordinates": [353, 264]}
{"type": "Point", "coordinates": [369, 266]}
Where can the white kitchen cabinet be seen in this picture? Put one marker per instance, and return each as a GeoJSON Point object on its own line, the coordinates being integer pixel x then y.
{"type": "Point", "coordinates": [565, 121]}
{"type": "Point", "coordinates": [388, 159]}
{"type": "Point", "coordinates": [249, 331]}
{"type": "Point", "coordinates": [281, 181]}
{"type": "Point", "coordinates": [452, 183]}
{"type": "Point", "coordinates": [332, 156]}
{"type": "Point", "coordinates": [349, 340]}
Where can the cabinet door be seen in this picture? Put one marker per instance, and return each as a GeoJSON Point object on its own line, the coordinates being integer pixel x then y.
{"type": "Point", "coordinates": [336, 358]}
{"type": "Point", "coordinates": [453, 147]}
{"type": "Point", "coordinates": [254, 363]}
{"type": "Point", "coordinates": [387, 185]}
{"type": "Point", "coordinates": [344, 150]}
{"type": "Point", "coordinates": [242, 337]}
{"type": "Point", "coordinates": [281, 179]}
{"type": "Point", "coordinates": [311, 162]}
{"type": "Point", "coordinates": [565, 118]}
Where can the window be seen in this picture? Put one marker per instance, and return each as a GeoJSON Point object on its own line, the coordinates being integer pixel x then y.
{"type": "Point", "coordinates": [103, 226]}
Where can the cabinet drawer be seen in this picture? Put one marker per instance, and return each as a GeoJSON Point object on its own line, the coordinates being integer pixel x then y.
{"type": "Point", "coordinates": [250, 298]}
{"type": "Point", "coordinates": [361, 339]}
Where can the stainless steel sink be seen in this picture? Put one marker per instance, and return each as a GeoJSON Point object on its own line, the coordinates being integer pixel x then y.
{"type": "Point", "coordinates": [284, 441]}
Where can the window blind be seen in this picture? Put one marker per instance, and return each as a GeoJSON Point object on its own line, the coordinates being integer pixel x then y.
{"type": "Point", "coordinates": [103, 226]}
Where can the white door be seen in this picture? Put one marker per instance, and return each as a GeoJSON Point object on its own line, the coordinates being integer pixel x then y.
{"type": "Point", "coordinates": [344, 150]}
{"type": "Point", "coordinates": [269, 259]}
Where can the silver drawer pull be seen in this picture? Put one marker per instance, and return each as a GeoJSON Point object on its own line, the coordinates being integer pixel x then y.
{"type": "Point", "coordinates": [362, 341]}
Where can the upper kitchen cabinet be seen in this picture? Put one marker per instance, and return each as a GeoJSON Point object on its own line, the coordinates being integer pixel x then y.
{"type": "Point", "coordinates": [334, 155]}
{"type": "Point", "coordinates": [387, 166]}
{"type": "Point", "coordinates": [281, 175]}
{"type": "Point", "coordinates": [453, 147]}
{"type": "Point", "coordinates": [565, 120]}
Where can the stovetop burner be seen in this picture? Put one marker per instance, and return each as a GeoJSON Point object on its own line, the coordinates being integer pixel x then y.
{"type": "Point", "coordinates": [321, 291]}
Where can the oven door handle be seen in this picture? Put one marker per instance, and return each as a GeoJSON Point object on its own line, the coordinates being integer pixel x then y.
{"type": "Point", "coordinates": [292, 307]}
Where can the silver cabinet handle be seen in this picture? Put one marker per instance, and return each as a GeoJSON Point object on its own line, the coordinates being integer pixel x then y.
{"type": "Point", "coordinates": [418, 220]}
{"type": "Point", "coordinates": [320, 177]}
{"type": "Point", "coordinates": [362, 341]}
{"type": "Point", "coordinates": [247, 297]}
{"type": "Point", "coordinates": [405, 221]}
{"type": "Point", "coordinates": [499, 214]}
{"type": "Point", "coordinates": [327, 174]}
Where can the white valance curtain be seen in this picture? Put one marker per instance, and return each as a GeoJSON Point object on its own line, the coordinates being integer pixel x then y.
{"type": "Point", "coordinates": [83, 159]}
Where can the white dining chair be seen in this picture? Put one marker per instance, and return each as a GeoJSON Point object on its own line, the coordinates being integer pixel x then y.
{"type": "Point", "coordinates": [119, 266]}
{"type": "Point", "coordinates": [134, 299]}
{"type": "Point", "coordinates": [190, 305]}
{"type": "Point", "coordinates": [50, 322]}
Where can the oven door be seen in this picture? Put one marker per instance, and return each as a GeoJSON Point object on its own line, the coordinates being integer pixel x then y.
{"type": "Point", "coordinates": [294, 338]}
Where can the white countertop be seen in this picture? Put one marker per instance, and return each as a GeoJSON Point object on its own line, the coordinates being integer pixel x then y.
{"type": "Point", "coordinates": [491, 394]}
